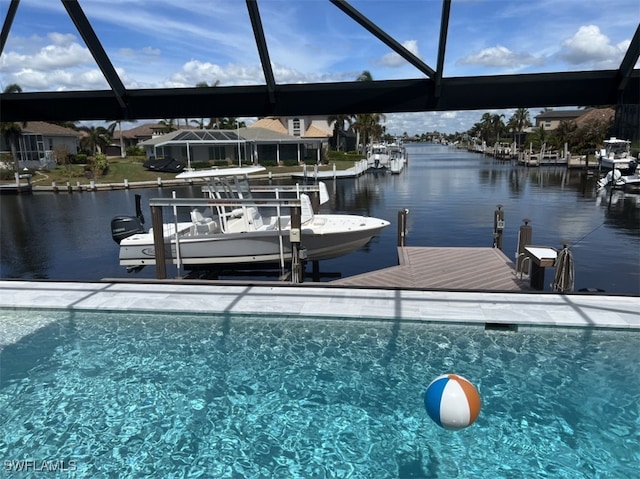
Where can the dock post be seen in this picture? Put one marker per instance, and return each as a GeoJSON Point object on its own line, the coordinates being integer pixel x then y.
{"type": "Point", "coordinates": [525, 236]}
{"type": "Point", "coordinates": [402, 227]}
{"type": "Point", "coordinates": [297, 275]}
{"type": "Point", "coordinates": [54, 187]}
{"type": "Point", "coordinates": [158, 241]}
{"type": "Point", "coordinates": [315, 202]}
{"type": "Point", "coordinates": [498, 227]}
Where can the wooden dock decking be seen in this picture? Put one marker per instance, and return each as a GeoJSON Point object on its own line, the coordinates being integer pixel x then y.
{"type": "Point", "coordinates": [486, 269]}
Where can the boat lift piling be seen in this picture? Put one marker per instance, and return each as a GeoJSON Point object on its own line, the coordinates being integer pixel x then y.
{"type": "Point", "coordinates": [402, 227]}
{"type": "Point", "coordinates": [158, 241]}
{"type": "Point", "coordinates": [297, 255]}
{"type": "Point", "coordinates": [525, 236]}
{"type": "Point", "coordinates": [498, 227]}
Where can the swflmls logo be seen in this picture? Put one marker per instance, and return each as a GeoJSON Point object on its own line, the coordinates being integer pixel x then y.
{"type": "Point", "coordinates": [49, 465]}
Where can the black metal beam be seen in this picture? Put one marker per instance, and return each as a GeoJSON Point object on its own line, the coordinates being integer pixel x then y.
{"type": "Point", "coordinates": [384, 37]}
{"type": "Point", "coordinates": [630, 59]}
{"type": "Point", "coordinates": [100, 56]}
{"type": "Point", "coordinates": [442, 44]}
{"type": "Point", "coordinates": [8, 20]}
{"type": "Point", "coordinates": [391, 96]}
{"type": "Point", "coordinates": [263, 51]}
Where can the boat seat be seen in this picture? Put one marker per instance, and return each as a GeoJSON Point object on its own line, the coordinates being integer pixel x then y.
{"type": "Point", "coordinates": [204, 224]}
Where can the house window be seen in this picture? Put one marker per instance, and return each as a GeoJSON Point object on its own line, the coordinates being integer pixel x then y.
{"type": "Point", "coordinates": [51, 143]}
{"type": "Point", "coordinates": [296, 127]}
{"type": "Point", "coordinates": [547, 124]}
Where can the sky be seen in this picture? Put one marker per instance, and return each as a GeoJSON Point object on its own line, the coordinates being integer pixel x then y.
{"type": "Point", "coordinates": [168, 43]}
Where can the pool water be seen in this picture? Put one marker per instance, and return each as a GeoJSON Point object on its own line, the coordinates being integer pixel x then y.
{"type": "Point", "coordinates": [165, 395]}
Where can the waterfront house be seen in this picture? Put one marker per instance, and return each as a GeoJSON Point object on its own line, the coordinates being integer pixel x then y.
{"type": "Point", "coordinates": [551, 119]}
{"type": "Point", "coordinates": [249, 145]}
{"type": "Point", "coordinates": [40, 141]}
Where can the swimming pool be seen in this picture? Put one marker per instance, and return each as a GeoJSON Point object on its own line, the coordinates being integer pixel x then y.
{"type": "Point", "coordinates": [125, 394]}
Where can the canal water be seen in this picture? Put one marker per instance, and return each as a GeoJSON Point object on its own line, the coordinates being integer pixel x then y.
{"type": "Point", "coordinates": [451, 196]}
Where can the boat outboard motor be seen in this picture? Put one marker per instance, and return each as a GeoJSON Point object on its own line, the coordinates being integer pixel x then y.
{"type": "Point", "coordinates": [124, 226]}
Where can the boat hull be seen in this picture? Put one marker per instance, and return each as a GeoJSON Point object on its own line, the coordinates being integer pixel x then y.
{"type": "Point", "coordinates": [256, 247]}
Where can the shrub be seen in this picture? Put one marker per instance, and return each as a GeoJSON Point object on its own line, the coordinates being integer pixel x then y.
{"type": "Point", "coordinates": [135, 151]}
{"type": "Point", "coordinates": [200, 164]}
{"type": "Point", "coordinates": [7, 171]}
{"type": "Point", "coordinates": [100, 164]}
{"type": "Point", "coordinates": [268, 163]}
{"type": "Point", "coordinates": [80, 159]}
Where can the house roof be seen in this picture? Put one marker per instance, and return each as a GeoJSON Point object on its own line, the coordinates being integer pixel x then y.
{"type": "Point", "coordinates": [260, 134]}
{"type": "Point", "coordinates": [270, 123]}
{"type": "Point", "coordinates": [255, 134]}
{"type": "Point", "coordinates": [143, 131]}
{"type": "Point", "coordinates": [49, 129]}
{"type": "Point", "coordinates": [560, 114]}
{"type": "Point", "coordinates": [315, 132]}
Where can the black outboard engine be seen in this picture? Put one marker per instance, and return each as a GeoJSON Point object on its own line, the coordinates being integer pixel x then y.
{"type": "Point", "coordinates": [124, 226]}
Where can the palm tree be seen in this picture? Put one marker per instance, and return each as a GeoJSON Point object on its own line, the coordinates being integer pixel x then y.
{"type": "Point", "coordinates": [96, 138]}
{"type": "Point", "coordinates": [112, 128]}
{"type": "Point", "coordinates": [230, 123]}
{"type": "Point", "coordinates": [167, 125]}
{"type": "Point", "coordinates": [12, 131]}
{"type": "Point", "coordinates": [519, 121]}
{"type": "Point", "coordinates": [213, 122]}
{"type": "Point", "coordinates": [338, 126]}
{"type": "Point", "coordinates": [365, 76]}
{"type": "Point", "coordinates": [485, 127]}
{"type": "Point", "coordinates": [367, 125]}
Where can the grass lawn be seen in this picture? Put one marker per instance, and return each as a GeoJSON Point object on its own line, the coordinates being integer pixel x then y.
{"type": "Point", "coordinates": [132, 170]}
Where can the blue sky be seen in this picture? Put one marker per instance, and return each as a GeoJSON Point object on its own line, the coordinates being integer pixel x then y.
{"type": "Point", "coordinates": [168, 43]}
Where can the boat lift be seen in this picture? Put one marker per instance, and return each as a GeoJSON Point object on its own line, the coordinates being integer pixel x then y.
{"type": "Point", "coordinates": [160, 236]}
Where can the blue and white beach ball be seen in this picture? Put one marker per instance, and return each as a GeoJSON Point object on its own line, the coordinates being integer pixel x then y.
{"type": "Point", "coordinates": [452, 401]}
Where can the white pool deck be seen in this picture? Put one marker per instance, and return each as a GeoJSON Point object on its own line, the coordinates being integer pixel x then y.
{"type": "Point", "coordinates": [522, 309]}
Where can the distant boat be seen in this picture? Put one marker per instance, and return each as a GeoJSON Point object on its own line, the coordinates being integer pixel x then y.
{"type": "Point", "coordinates": [615, 179]}
{"type": "Point", "coordinates": [615, 154]}
{"type": "Point", "coordinates": [397, 158]}
{"type": "Point", "coordinates": [378, 156]}
{"type": "Point", "coordinates": [229, 228]}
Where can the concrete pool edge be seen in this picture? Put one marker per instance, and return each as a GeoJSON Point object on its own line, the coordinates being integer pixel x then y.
{"type": "Point", "coordinates": [523, 309]}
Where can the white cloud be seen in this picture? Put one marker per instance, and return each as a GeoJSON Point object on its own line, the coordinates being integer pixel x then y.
{"type": "Point", "coordinates": [56, 55]}
{"type": "Point", "coordinates": [194, 72]}
{"type": "Point", "coordinates": [501, 57]}
{"type": "Point", "coordinates": [589, 46]}
{"type": "Point", "coordinates": [394, 60]}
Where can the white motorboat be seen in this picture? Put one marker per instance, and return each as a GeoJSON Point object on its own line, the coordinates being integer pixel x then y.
{"type": "Point", "coordinates": [397, 158]}
{"type": "Point", "coordinates": [614, 178]}
{"type": "Point", "coordinates": [230, 226]}
{"type": "Point", "coordinates": [378, 156]}
{"type": "Point", "coordinates": [616, 154]}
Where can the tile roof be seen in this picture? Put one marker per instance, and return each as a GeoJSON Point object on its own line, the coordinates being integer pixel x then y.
{"type": "Point", "coordinates": [560, 114]}
{"type": "Point", "coordinates": [49, 129]}
{"type": "Point", "coordinates": [270, 123]}
{"type": "Point", "coordinates": [142, 131]}
{"type": "Point", "coordinates": [315, 132]}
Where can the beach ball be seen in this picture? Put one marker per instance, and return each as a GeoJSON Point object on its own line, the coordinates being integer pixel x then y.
{"type": "Point", "coordinates": [452, 401]}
